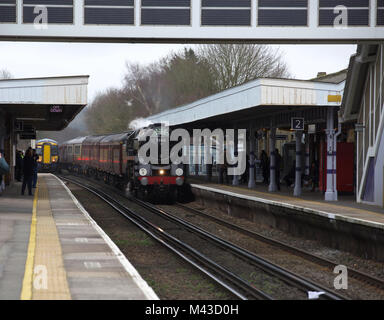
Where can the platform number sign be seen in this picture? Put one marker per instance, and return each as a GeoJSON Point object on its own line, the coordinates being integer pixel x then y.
{"type": "Point", "coordinates": [297, 124]}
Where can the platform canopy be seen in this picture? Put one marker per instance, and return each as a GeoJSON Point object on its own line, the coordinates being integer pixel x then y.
{"type": "Point", "coordinates": [358, 69]}
{"type": "Point", "coordinates": [264, 102]}
{"type": "Point", "coordinates": [43, 103]}
{"type": "Point", "coordinates": [288, 21]}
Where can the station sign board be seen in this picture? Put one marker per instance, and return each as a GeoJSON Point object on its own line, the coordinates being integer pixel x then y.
{"type": "Point", "coordinates": [29, 132]}
{"type": "Point", "coordinates": [281, 137]}
{"type": "Point", "coordinates": [27, 135]}
{"type": "Point", "coordinates": [56, 109]}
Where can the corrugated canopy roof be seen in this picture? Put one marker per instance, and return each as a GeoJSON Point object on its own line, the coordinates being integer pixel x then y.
{"type": "Point", "coordinates": [260, 98]}
{"type": "Point", "coordinates": [44, 103]}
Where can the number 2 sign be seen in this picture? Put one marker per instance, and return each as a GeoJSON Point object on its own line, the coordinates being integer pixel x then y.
{"type": "Point", "coordinates": [297, 123]}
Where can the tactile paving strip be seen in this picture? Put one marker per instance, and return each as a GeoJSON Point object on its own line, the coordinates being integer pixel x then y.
{"type": "Point", "coordinates": [50, 279]}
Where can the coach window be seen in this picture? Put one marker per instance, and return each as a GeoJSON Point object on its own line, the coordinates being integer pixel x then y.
{"type": "Point", "coordinates": [54, 150]}
{"type": "Point", "coordinates": [77, 150]}
{"type": "Point", "coordinates": [116, 156]}
{"type": "Point", "coordinates": [103, 155]}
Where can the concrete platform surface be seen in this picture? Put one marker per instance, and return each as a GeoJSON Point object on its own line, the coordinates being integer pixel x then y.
{"type": "Point", "coordinates": [342, 225]}
{"type": "Point", "coordinates": [51, 249]}
{"type": "Point", "coordinates": [346, 209]}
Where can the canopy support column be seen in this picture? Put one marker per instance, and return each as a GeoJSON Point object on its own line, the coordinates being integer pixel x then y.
{"type": "Point", "coordinates": [297, 190]}
{"type": "Point", "coordinates": [331, 192]}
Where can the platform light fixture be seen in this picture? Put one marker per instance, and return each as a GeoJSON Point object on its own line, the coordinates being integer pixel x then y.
{"type": "Point", "coordinates": [32, 119]}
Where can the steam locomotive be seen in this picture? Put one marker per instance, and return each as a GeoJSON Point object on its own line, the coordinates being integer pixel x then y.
{"type": "Point", "coordinates": [115, 158]}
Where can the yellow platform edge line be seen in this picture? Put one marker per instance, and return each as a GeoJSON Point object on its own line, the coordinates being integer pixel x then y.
{"type": "Point", "coordinates": [26, 291]}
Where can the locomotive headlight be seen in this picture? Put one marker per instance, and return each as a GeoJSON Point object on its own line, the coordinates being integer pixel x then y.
{"type": "Point", "coordinates": [161, 172]}
{"type": "Point", "coordinates": [143, 172]}
{"type": "Point", "coordinates": [179, 172]}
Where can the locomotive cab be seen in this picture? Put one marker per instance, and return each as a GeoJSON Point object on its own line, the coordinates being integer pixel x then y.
{"type": "Point", "coordinates": [158, 177]}
{"type": "Point", "coordinates": [47, 151]}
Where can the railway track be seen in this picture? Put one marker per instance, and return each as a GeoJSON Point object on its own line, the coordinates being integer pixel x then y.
{"type": "Point", "coordinates": [356, 274]}
{"type": "Point", "coordinates": [220, 275]}
{"type": "Point", "coordinates": [166, 233]}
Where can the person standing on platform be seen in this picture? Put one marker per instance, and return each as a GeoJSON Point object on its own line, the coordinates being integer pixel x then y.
{"type": "Point", "coordinates": [19, 165]}
{"type": "Point", "coordinates": [264, 166]}
{"type": "Point", "coordinates": [35, 158]}
{"type": "Point", "coordinates": [28, 172]}
{"type": "Point", "coordinates": [277, 167]}
{"type": "Point", "coordinates": [314, 174]}
{"type": "Point", "coordinates": [290, 177]}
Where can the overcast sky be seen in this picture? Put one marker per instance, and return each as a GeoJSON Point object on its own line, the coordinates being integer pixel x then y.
{"type": "Point", "coordinates": [105, 63]}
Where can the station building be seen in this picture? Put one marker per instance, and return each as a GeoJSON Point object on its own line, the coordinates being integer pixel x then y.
{"type": "Point", "coordinates": [266, 108]}
{"type": "Point", "coordinates": [342, 127]}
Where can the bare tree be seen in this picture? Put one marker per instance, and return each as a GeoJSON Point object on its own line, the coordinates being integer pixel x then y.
{"type": "Point", "coordinates": [143, 84]}
{"type": "Point", "coordinates": [5, 74]}
{"type": "Point", "coordinates": [178, 78]}
{"type": "Point", "coordinates": [109, 112]}
{"type": "Point", "coordinates": [235, 64]}
{"type": "Point", "coordinates": [188, 77]}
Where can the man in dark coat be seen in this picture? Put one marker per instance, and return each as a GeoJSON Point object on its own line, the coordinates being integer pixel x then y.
{"type": "Point", "coordinates": [28, 165]}
{"type": "Point", "coordinates": [35, 158]}
{"type": "Point", "coordinates": [277, 167]}
{"type": "Point", "coordinates": [264, 164]}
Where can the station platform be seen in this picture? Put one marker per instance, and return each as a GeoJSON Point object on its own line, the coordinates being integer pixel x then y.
{"type": "Point", "coordinates": [51, 249]}
{"type": "Point", "coordinates": [312, 202]}
{"type": "Point", "coordinates": [345, 224]}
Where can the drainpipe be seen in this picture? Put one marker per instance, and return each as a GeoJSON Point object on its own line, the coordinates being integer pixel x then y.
{"type": "Point", "coordinates": [334, 159]}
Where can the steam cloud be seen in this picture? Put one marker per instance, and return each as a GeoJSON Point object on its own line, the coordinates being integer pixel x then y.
{"type": "Point", "coordinates": [139, 123]}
